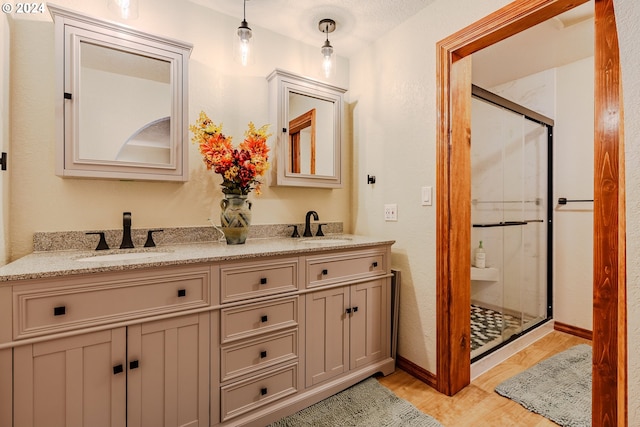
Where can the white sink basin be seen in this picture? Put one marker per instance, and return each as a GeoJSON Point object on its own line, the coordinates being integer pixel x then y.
{"type": "Point", "coordinates": [327, 241]}
{"type": "Point", "coordinates": [127, 256]}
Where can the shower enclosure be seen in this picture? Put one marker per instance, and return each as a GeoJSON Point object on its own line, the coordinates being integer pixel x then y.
{"type": "Point", "coordinates": [510, 214]}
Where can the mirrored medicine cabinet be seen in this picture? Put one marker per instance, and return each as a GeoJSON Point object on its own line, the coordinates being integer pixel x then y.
{"type": "Point", "coordinates": [308, 127]}
{"type": "Point", "coordinates": [121, 101]}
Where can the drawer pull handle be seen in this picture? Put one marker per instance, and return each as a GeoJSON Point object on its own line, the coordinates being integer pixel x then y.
{"type": "Point", "coordinates": [134, 364]}
{"type": "Point", "coordinates": [375, 264]}
{"type": "Point", "coordinates": [263, 280]}
{"type": "Point", "coordinates": [263, 319]}
{"type": "Point", "coordinates": [263, 354]}
{"type": "Point", "coordinates": [118, 369]}
{"type": "Point", "coordinates": [182, 293]}
{"type": "Point", "coordinates": [348, 310]}
{"type": "Point", "coordinates": [325, 272]}
{"type": "Point", "coordinates": [263, 391]}
{"type": "Point", "coordinates": [59, 311]}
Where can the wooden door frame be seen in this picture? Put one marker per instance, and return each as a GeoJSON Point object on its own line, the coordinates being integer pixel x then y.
{"type": "Point", "coordinates": [453, 180]}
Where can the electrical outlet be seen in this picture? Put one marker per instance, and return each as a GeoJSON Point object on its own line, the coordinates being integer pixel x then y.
{"type": "Point", "coordinates": [391, 212]}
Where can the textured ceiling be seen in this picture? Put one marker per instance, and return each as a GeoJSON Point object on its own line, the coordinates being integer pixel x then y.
{"type": "Point", "coordinates": [560, 40]}
{"type": "Point", "coordinates": [358, 22]}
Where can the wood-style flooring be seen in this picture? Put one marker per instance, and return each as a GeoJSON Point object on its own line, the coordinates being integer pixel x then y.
{"type": "Point", "coordinates": [478, 405]}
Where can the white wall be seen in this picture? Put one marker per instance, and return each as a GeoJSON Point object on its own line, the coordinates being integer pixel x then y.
{"type": "Point", "coordinates": [4, 138]}
{"type": "Point", "coordinates": [394, 131]}
{"type": "Point", "coordinates": [627, 18]}
{"type": "Point", "coordinates": [230, 94]}
{"type": "Point", "coordinates": [573, 179]}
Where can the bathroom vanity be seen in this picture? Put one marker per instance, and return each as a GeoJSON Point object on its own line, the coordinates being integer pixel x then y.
{"type": "Point", "coordinates": [198, 334]}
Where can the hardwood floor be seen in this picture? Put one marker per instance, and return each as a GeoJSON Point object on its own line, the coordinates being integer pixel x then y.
{"type": "Point", "coordinates": [478, 405]}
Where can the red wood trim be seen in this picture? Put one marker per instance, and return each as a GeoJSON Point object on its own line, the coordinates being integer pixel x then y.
{"type": "Point", "coordinates": [453, 180]}
{"type": "Point", "coordinates": [573, 330]}
{"type": "Point", "coordinates": [416, 371]}
{"type": "Point", "coordinates": [609, 268]}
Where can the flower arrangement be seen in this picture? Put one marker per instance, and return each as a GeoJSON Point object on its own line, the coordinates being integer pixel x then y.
{"type": "Point", "coordinates": [240, 167]}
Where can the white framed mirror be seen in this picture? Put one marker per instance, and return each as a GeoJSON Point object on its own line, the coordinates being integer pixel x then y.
{"type": "Point", "coordinates": [308, 120]}
{"type": "Point", "coordinates": [121, 101]}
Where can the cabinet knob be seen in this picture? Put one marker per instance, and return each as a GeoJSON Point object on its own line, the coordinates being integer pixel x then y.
{"type": "Point", "coordinates": [118, 369]}
{"type": "Point", "coordinates": [263, 391]}
{"type": "Point", "coordinates": [263, 319]}
{"type": "Point", "coordinates": [375, 264]}
{"type": "Point", "coordinates": [59, 311]}
{"type": "Point", "coordinates": [182, 292]}
{"type": "Point", "coordinates": [134, 364]}
{"type": "Point", "coordinates": [263, 280]}
{"type": "Point", "coordinates": [263, 354]}
{"type": "Point", "coordinates": [355, 308]}
{"type": "Point", "coordinates": [348, 310]}
{"type": "Point", "coordinates": [325, 272]}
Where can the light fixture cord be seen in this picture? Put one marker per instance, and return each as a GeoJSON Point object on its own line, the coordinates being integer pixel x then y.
{"type": "Point", "coordinates": [244, 11]}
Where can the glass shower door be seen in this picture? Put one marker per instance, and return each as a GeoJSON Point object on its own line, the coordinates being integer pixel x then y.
{"type": "Point", "coordinates": [509, 191]}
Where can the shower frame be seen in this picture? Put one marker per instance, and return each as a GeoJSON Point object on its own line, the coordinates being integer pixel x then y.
{"type": "Point", "coordinates": [497, 100]}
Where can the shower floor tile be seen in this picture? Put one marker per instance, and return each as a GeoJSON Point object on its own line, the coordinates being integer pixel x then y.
{"type": "Point", "coordinates": [489, 326]}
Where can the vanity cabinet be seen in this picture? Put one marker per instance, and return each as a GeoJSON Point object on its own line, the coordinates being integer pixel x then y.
{"type": "Point", "coordinates": [349, 329]}
{"type": "Point", "coordinates": [241, 342]}
{"type": "Point", "coordinates": [259, 339]}
{"type": "Point", "coordinates": [143, 373]}
{"type": "Point", "coordinates": [148, 374]}
{"type": "Point", "coordinates": [350, 323]}
{"type": "Point", "coordinates": [71, 381]}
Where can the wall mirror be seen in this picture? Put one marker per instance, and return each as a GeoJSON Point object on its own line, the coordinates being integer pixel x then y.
{"type": "Point", "coordinates": [308, 118]}
{"type": "Point", "coordinates": [121, 101]}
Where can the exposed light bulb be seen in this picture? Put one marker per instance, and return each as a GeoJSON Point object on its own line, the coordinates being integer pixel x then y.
{"type": "Point", "coordinates": [244, 33]}
{"type": "Point", "coordinates": [327, 50]}
{"type": "Point", "coordinates": [243, 50]}
{"type": "Point", "coordinates": [327, 26]}
{"type": "Point", "coordinates": [126, 9]}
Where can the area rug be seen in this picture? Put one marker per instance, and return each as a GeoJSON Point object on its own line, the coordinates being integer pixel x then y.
{"type": "Point", "coordinates": [365, 404]}
{"type": "Point", "coordinates": [558, 388]}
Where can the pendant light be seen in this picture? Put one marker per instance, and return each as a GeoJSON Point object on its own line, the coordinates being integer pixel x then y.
{"type": "Point", "coordinates": [243, 49]}
{"type": "Point", "coordinates": [327, 26]}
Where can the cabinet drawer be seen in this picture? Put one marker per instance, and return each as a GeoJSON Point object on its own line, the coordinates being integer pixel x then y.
{"type": "Point", "coordinates": [54, 306]}
{"type": "Point", "coordinates": [250, 280]}
{"type": "Point", "coordinates": [254, 319]}
{"type": "Point", "coordinates": [323, 270]}
{"type": "Point", "coordinates": [244, 396]}
{"type": "Point", "coordinates": [249, 356]}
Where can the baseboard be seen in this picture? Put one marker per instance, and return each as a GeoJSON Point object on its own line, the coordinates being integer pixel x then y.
{"type": "Point", "coordinates": [416, 371]}
{"type": "Point", "coordinates": [573, 330]}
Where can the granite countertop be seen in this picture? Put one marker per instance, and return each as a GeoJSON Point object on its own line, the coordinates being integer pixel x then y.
{"type": "Point", "coordinates": [60, 263]}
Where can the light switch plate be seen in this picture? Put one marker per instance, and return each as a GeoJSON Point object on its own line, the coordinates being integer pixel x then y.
{"type": "Point", "coordinates": [391, 212]}
{"type": "Point", "coordinates": [426, 196]}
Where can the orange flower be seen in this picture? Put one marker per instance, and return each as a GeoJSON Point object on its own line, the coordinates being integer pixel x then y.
{"type": "Point", "coordinates": [239, 167]}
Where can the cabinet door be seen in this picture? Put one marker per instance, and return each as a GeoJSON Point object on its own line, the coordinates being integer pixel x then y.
{"type": "Point", "coordinates": [168, 372]}
{"type": "Point", "coordinates": [71, 382]}
{"type": "Point", "coordinates": [369, 322]}
{"type": "Point", "coordinates": [327, 335]}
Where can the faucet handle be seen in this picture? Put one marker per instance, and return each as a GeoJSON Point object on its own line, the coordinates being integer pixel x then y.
{"type": "Point", "coordinates": [150, 243]}
{"type": "Point", "coordinates": [295, 231]}
{"type": "Point", "coordinates": [319, 232]}
{"type": "Point", "coordinates": [102, 244]}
